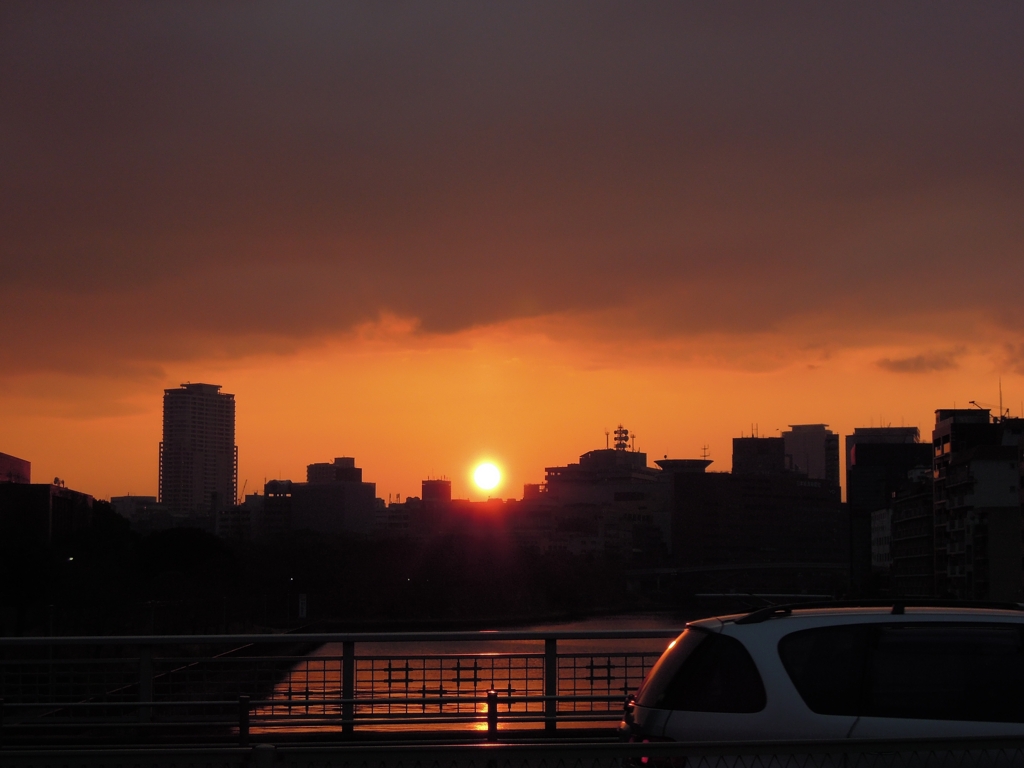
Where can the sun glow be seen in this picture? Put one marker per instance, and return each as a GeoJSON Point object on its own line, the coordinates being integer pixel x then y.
{"type": "Point", "coordinates": [487, 476]}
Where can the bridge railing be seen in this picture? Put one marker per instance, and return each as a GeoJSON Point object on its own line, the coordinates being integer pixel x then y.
{"type": "Point", "coordinates": [254, 686]}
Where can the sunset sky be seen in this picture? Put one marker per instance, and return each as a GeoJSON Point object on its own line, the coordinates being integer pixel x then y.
{"type": "Point", "coordinates": [427, 234]}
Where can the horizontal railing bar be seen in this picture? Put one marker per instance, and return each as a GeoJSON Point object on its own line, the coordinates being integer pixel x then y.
{"type": "Point", "coordinates": [362, 722]}
{"type": "Point", "coordinates": [454, 719]}
{"type": "Point", "coordinates": [316, 660]}
{"type": "Point", "coordinates": [354, 637]}
{"type": "Point", "coordinates": [369, 721]}
{"type": "Point", "coordinates": [431, 750]}
{"type": "Point", "coordinates": [298, 703]}
{"type": "Point", "coordinates": [113, 663]}
{"type": "Point", "coordinates": [117, 662]}
{"type": "Point", "coordinates": [454, 707]}
{"type": "Point", "coordinates": [695, 749]}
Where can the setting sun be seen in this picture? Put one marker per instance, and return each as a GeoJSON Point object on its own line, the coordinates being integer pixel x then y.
{"type": "Point", "coordinates": [487, 476]}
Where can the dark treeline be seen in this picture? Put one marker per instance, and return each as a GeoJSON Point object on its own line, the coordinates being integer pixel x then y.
{"type": "Point", "coordinates": [109, 579]}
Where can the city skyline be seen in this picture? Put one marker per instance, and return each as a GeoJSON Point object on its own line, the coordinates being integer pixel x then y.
{"type": "Point", "coordinates": [427, 234]}
{"type": "Point", "coordinates": [464, 484]}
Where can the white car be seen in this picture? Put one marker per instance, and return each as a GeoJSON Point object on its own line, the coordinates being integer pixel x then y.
{"type": "Point", "coordinates": [828, 673]}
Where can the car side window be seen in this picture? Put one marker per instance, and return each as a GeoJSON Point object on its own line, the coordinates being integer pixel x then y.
{"type": "Point", "coordinates": [827, 666]}
{"type": "Point", "coordinates": [947, 672]}
{"type": "Point", "coordinates": [718, 676]}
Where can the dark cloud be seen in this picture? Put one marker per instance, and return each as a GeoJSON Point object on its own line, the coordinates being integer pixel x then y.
{"type": "Point", "coordinates": [1013, 358]}
{"type": "Point", "coordinates": [923, 363]}
{"type": "Point", "coordinates": [205, 179]}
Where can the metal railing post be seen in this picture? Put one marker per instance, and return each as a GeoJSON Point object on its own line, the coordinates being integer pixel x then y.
{"type": "Point", "coordinates": [492, 715]}
{"type": "Point", "coordinates": [243, 721]}
{"type": "Point", "coordinates": [550, 684]}
{"type": "Point", "coordinates": [348, 686]}
{"type": "Point", "coordinates": [145, 683]}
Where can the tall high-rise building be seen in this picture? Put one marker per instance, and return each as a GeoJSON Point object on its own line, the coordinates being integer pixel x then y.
{"type": "Point", "coordinates": [343, 469]}
{"type": "Point", "coordinates": [198, 455]}
{"type": "Point", "coordinates": [437, 491]}
{"type": "Point", "coordinates": [758, 456]}
{"type": "Point", "coordinates": [813, 450]}
{"type": "Point", "coordinates": [977, 469]}
{"type": "Point", "coordinates": [879, 465]}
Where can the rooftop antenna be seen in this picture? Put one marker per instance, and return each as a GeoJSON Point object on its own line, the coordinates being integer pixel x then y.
{"type": "Point", "coordinates": [621, 438]}
{"type": "Point", "coordinates": [606, 434]}
{"type": "Point", "coordinates": [632, 438]}
{"type": "Point", "coordinates": [705, 451]}
{"type": "Point", "coordinates": [1001, 414]}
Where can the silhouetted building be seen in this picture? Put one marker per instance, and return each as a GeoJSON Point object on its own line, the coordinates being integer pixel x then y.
{"type": "Point", "coordinates": [813, 450]}
{"type": "Point", "coordinates": [759, 532]}
{"type": "Point", "coordinates": [146, 514]}
{"type": "Point", "coordinates": [437, 491]}
{"type": "Point", "coordinates": [533, 491]}
{"type": "Point", "coordinates": [129, 507]}
{"type": "Point", "coordinates": [198, 455]}
{"type": "Point", "coordinates": [14, 470]}
{"type": "Point", "coordinates": [619, 490]}
{"type": "Point", "coordinates": [253, 502]}
{"type": "Point", "coordinates": [273, 518]}
{"type": "Point", "coordinates": [42, 512]}
{"type": "Point", "coordinates": [343, 469]}
{"type": "Point", "coordinates": [396, 520]}
{"type": "Point", "coordinates": [758, 456]}
{"type": "Point", "coordinates": [913, 537]}
{"type": "Point", "coordinates": [326, 505]}
{"type": "Point", "coordinates": [881, 541]}
{"type": "Point", "coordinates": [879, 461]}
{"type": "Point", "coordinates": [977, 505]}
{"type": "Point", "coordinates": [340, 507]}
{"type": "Point", "coordinates": [234, 523]}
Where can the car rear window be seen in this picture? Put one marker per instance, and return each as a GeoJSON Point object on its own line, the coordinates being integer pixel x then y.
{"type": "Point", "coordinates": [709, 673]}
{"type": "Point", "coordinates": [652, 691]}
{"type": "Point", "coordinates": [924, 671]}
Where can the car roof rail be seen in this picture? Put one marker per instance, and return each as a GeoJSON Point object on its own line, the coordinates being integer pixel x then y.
{"type": "Point", "coordinates": [898, 607]}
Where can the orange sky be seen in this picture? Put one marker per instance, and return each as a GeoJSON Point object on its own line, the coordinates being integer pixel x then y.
{"type": "Point", "coordinates": [409, 407]}
{"type": "Point", "coordinates": [427, 234]}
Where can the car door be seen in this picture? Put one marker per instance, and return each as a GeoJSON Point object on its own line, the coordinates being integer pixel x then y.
{"type": "Point", "coordinates": [943, 680]}
{"type": "Point", "coordinates": [820, 685]}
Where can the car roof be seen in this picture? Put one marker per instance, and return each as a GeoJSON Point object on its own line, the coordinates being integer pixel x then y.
{"type": "Point", "coordinates": [842, 613]}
